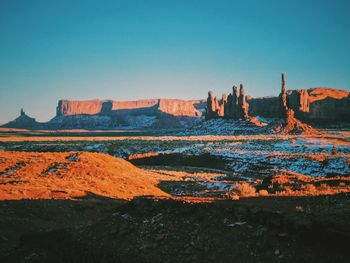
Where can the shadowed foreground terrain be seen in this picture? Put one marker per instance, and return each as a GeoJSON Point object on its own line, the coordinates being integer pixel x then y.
{"type": "Point", "coordinates": [267, 229]}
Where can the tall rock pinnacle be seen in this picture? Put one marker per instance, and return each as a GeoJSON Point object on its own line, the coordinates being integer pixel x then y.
{"type": "Point", "coordinates": [235, 96]}
{"type": "Point", "coordinates": [243, 106]}
{"type": "Point", "coordinates": [211, 106]}
{"type": "Point", "coordinates": [283, 98]}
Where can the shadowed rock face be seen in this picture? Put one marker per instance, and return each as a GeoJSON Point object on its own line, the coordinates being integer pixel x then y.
{"type": "Point", "coordinates": [210, 105]}
{"type": "Point", "coordinates": [233, 106]}
{"type": "Point", "coordinates": [318, 105]}
{"type": "Point", "coordinates": [23, 121]}
{"type": "Point", "coordinates": [243, 105]}
{"type": "Point", "coordinates": [215, 108]}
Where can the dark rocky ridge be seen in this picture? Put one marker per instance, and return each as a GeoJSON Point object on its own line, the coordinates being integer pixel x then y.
{"type": "Point", "coordinates": [316, 106]}
{"type": "Point", "coordinates": [22, 121]}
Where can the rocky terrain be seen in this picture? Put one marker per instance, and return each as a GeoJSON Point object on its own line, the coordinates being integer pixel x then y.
{"type": "Point", "coordinates": [87, 197]}
{"type": "Point", "coordinates": [232, 157]}
{"type": "Point", "coordinates": [268, 229]}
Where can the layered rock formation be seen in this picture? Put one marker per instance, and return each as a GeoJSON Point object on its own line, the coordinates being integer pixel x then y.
{"type": "Point", "coordinates": [290, 124]}
{"type": "Point", "coordinates": [211, 106]}
{"type": "Point", "coordinates": [317, 106]}
{"type": "Point", "coordinates": [152, 113]}
{"type": "Point", "coordinates": [67, 107]}
{"type": "Point", "coordinates": [233, 106]}
{"type": "Point", "coordinates": [174, 107]}
{"type": "Point", "coordinates": [283, 99]}
{"type": "Point", "coordinates": [242, 104]}
{"type": "Point", "coordinates": [108, 114]}
{"type": "Point", "coordinates": [292, 107]}
{"type": "Point", "coordinates": [92, 107]}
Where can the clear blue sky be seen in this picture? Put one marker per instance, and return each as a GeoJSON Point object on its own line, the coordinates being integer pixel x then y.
{"type": "Point", "coordinates": [126, 50]}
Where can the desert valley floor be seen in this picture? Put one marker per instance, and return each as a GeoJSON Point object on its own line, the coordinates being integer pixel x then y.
{"type": "Point", "coordinates": [79, 196]}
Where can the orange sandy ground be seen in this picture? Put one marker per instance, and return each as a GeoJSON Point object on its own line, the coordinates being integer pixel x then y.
{"type": "Point", "coordinates": [97, 173]}
{"type": "Point", "coordinates": [69, 175]}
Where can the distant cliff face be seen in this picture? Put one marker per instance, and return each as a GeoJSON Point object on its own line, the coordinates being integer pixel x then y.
{"type": "Point", "coordinates": [73, 107]}
{"type": "Point", "coordinates": [174, 107]}
{"type": "Point", "coordinates": [318, 105]}
{"type": "Point", "coordinates": [108, 114]}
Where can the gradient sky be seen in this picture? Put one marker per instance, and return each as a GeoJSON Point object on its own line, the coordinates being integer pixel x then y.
{"type": "Point", "coordinates": [127, 50]}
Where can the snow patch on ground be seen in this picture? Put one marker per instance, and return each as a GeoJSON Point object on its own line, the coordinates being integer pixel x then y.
{"type": "Point", "coordinates": [219, 186]}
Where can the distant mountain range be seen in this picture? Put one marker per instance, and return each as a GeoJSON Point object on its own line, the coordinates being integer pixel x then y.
{"type": "Point", "coordinates": [319, 105]}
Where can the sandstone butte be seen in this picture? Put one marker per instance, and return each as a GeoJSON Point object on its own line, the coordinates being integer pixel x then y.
{"type": "Point", "coordinates": [175, 107]}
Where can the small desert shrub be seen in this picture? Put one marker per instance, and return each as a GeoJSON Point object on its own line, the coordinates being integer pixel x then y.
{"type": "Point", "coordinates": [324, 187]}
{"type": "Point", "coordinates": [308, 188]}
{"type": "Point", "coordinates": [244, 189]}
{"type": "Point", "coordinates": [263, 192]}
{"type": "Point", "coordinates": [232, 195]}
{"type": "Point", "coordinates": [287, 190]}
